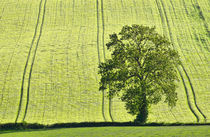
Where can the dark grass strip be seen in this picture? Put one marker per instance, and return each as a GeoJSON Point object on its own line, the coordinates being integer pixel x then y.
{"type": "Point", "coordinates": [187, 94]}
{"type": "Point", "coordinates": [26, 65]}
{"type": "Point", "coordinates": [25, 126]}
{"type": "Point", "coordinates": [33, 60]}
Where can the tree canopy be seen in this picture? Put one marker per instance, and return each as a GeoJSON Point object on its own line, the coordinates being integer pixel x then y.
{"type": "Point", "coordinates": [141, 70]}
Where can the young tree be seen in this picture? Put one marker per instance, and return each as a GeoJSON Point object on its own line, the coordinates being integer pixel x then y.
{"type": "Point", "coordinates": [141, 70]}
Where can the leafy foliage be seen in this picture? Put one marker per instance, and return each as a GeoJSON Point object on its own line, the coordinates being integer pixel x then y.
{"type": "Point", "coordinates": [142, 69]}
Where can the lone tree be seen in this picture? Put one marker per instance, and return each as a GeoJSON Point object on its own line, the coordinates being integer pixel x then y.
{"type": "Point", "coordinates": [142, 69]}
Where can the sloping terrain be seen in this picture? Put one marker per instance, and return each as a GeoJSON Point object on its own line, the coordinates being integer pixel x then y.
{"type": "Point", "coordinates": [50, 50]}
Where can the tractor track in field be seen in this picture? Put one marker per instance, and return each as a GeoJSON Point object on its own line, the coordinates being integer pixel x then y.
{"type": "Point", "coordinates": [104, 53]}
{"type": "Point", "coordinates": [33, 60]}
{"type": "Point", "coordinates": [187, 94]}
{"type": "Point", "coordinates": [194, 96]}
{"type": "Point", "coordinates": [27, 61]}
{"type": "Point", "coordinates": [189, 80]}
{"type": "Point", "coordinates": [26, 64]}
{"type": "Point", "coordinates": [99, 60]}
{"type": "Point", "coordinates": [172, 40]}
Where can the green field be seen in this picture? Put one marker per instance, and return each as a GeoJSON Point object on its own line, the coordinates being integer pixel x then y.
{"type": "Point", "coordinates": [185, 131]}
{"type": "Point", "coordinates": [50, 50]}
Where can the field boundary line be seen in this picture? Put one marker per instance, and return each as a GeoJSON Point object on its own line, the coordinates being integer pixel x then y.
{"type": "Point", "coordinates": [27, 61]}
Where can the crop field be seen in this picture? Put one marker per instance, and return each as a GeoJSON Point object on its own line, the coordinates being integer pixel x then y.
{"type": "Point", "coordinates": [50, 51]}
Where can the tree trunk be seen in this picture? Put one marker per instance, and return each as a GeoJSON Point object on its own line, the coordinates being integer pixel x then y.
{"type": "Point", "coordinates": [143, 111]}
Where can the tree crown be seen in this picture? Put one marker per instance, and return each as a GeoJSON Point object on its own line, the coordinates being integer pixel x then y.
{"type": "Point", "coordinates": [142, 67]}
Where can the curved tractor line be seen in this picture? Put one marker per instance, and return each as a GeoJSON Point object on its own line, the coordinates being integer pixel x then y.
{"type": "Point", "coordinates": [170, 34]}
{"type": "Point", "coordinates": [189, 80]}
{"type": "Point", "coordinates": [194, 96]}
{"type": "Point", "coordinates": [104, 53]}
{"type": "Point", "coordinates": [33, 60]}
{"type": "Point", "coordinates": [191, 86]}
{"type": "Point", "coordinates": [187, 94]}
{"type": "Point", "coordinates": [169, 29]}
{"type": "Point", "coordinates": [27, 61]}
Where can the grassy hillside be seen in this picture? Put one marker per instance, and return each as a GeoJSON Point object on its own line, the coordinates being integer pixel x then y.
{"type": "Point", "coordinates": [50, 50]}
